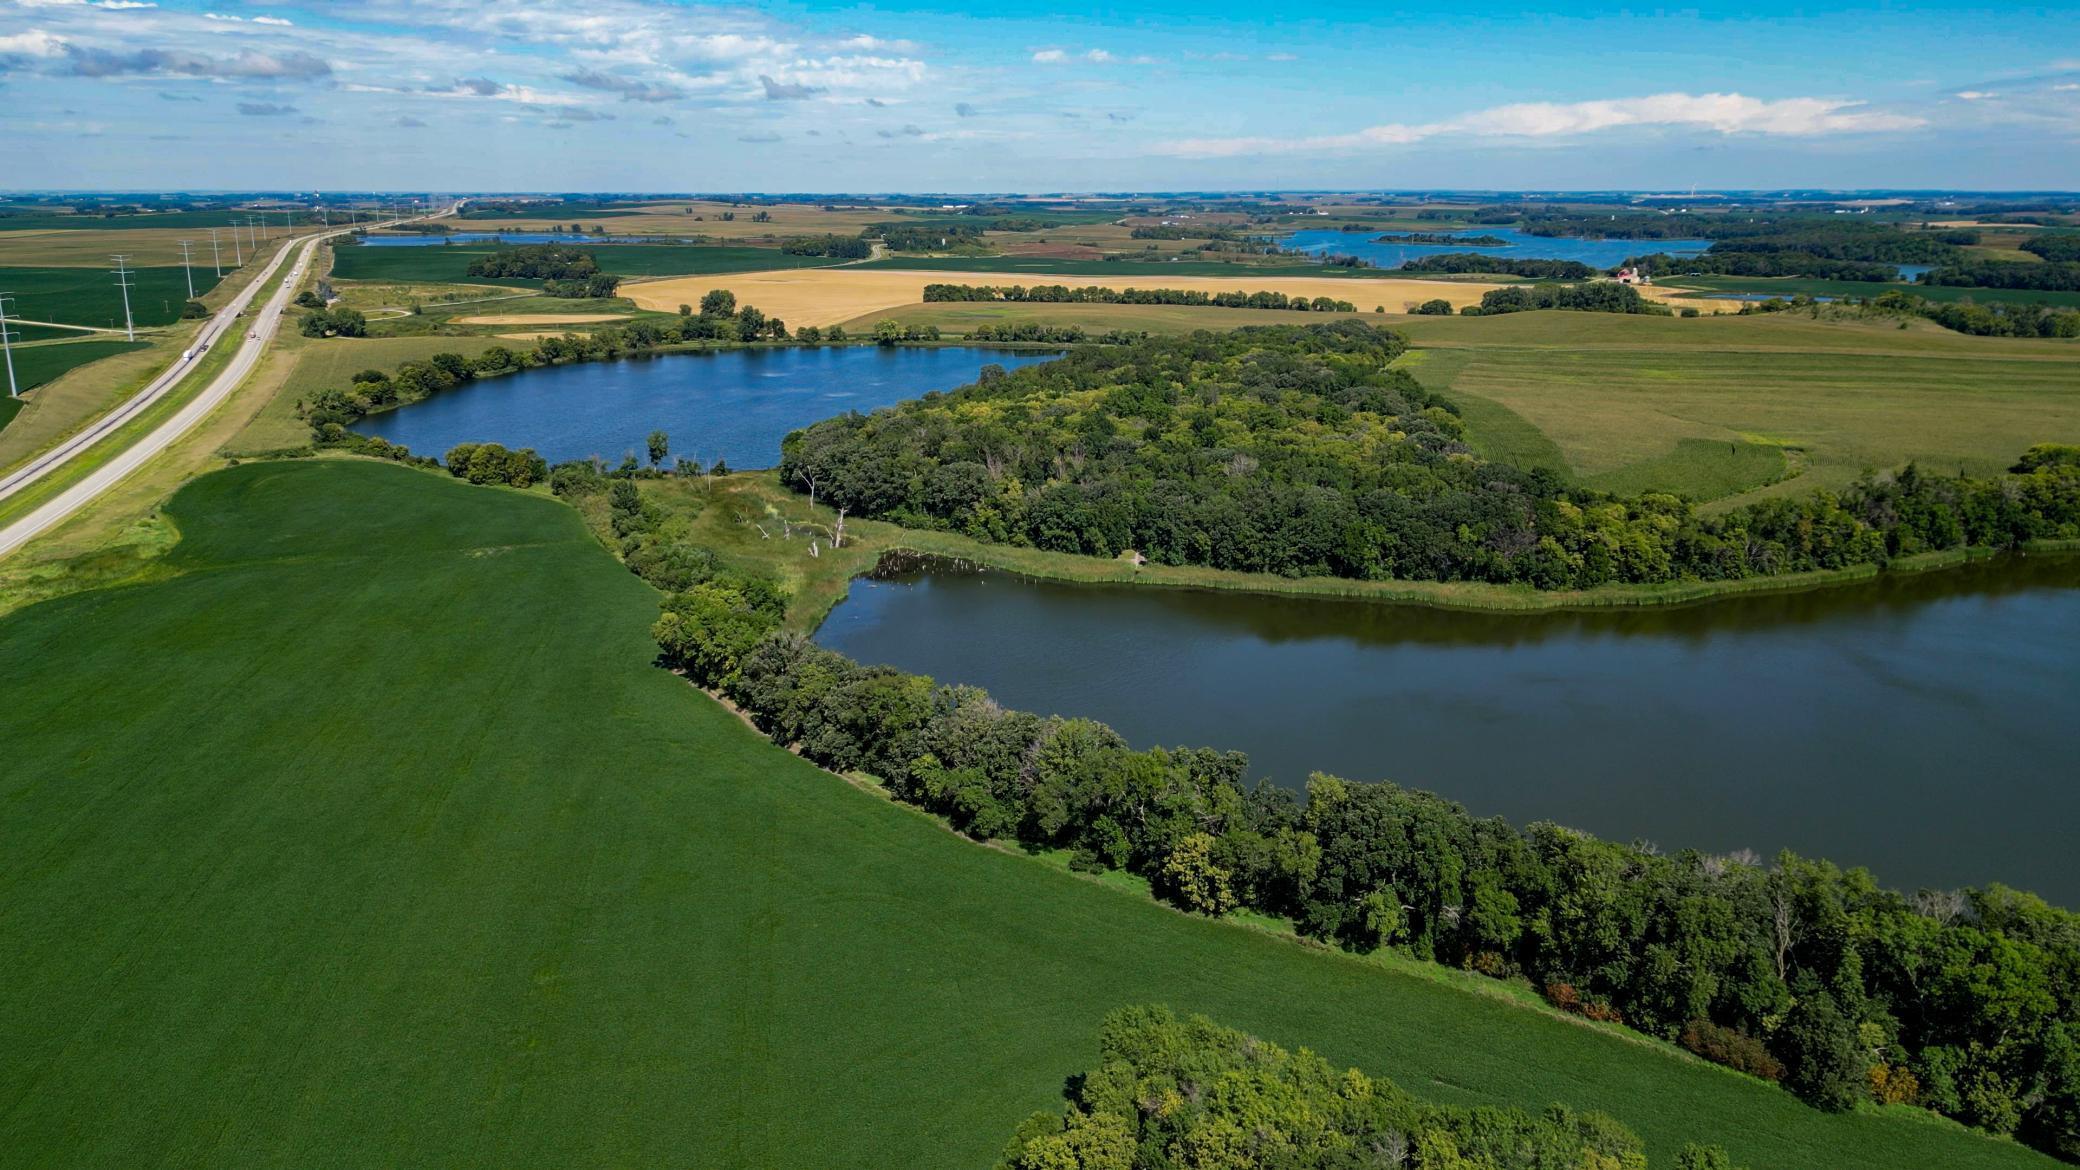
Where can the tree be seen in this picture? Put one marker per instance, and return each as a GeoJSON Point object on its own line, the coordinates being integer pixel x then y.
{"type": "Point", "coordinates": [887, 332]}
{"type": "Point", "coordinates": [719, 302]}
{"type": "Point", "coordinates": [660, 446]}
{"type": "Point", "coordinates": [1824, 1060]}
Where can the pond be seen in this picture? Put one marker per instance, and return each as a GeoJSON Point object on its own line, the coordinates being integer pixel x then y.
{"type": "Point", "coordinates": [1596, 253]}
{"type": "Point", "coordinates": [1922, 726]}
{"type": "Point", "coordinates": [736, 404]}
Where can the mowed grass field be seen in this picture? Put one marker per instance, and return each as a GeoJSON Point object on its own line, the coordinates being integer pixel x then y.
{"type": "Point", "coordinates": [449, 263]}
{"type": "Point", "coordinates": [89, 296]}
{"type": "Point", "coordinates": [372, 838]}
{"type": "Point", "coordinates": [35, 365]}
{"type": "Point", "coordinates": [1713, 407]}
{"type": "Point", "coordinates": [833, 296]}
{"type": "Point", "coordinates": [693, 217]}
{"type": "Point", "coordinates": [1697, 290]}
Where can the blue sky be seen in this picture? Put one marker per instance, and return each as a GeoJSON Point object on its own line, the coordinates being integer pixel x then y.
{"type": "Point", "coordinates": [931, 95]}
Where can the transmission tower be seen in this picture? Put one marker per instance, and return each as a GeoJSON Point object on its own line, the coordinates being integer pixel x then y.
{"type": "Point", "coordinates": [216, 258]}
{"type": "Point", "coordinates": [188, 267]}
{"type": "Point", "coordinates": [7, 346]}
{"type": "Point", "coordinates": [124, 282]}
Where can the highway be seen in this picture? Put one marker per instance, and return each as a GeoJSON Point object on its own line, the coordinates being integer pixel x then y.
{"type": "Point", "coordinates": [226, 324]}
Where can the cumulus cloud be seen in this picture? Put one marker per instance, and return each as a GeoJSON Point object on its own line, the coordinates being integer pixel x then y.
{"type": "Point", "coordinates": [1050, 56]}
{"type": "Point", "coordinates": [1975, 95]}
{"type": "Point", "coordinates": [481, 86]}
{"type": "Point", "coordinates": [264, 109]}
{"type": "Point", "coordinates": [1099, 56]}
{"type": "Point", "coordinates": [630, 89]}
{"type": "Point", "coordinates": [787, 91]}
{"type": "Point", "coordinates": [1723, 113]}
{"type": "Point", "coordinates": [229, 19]}
{"type": "Point", "coordinates": [35, 43]}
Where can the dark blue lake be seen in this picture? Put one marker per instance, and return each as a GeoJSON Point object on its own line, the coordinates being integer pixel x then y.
{"type": "Point", "coordinates": [1598, 253]}
{"type": "Point", "coordinates": [1918, 725]}
{"type": "Point", "coordinates": [736, 404]}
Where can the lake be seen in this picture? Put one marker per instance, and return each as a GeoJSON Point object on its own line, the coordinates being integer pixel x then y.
{"type": "Point", "coordinates": [1922, 726]}
{"type": "Point", "coordinates": [1596, 253]}
{"type": "Point", "coordinates": [735, 403]}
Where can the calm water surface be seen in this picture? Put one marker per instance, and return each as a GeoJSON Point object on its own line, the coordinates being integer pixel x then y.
{"type": "Point", "coordinates": [1927, 727]}
{"type": "Point", "coordinates": [737, 404]}
{"type": "Point", "coordinates": [1599, 253]}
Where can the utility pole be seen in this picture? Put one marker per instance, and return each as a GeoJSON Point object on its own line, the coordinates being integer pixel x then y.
{"type": "Point", "coordinates": [7, 346]}
{"type": "Point", "coordinates": [188, 267]}
{"type": "Point", "coordinates": [216, 258]}
{"type": "Point", "coordinates": [124, 282]}
{"type": "Point", "coordinates": [238, 247]}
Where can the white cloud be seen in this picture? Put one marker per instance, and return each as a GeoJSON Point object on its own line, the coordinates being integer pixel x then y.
{"type": "Point", "coordinates": [1050, 56]}
{"type": "Point", "coordinates": [34, 43]}
{"type": "Point", "coordinates": [2068, 87]}
{"type": "Point", "coordinates": [1098, 56]}
{"type": "Point", "coordinates": [1724, 113]}
{"type": "Point", "coordinates": [1975, 95]}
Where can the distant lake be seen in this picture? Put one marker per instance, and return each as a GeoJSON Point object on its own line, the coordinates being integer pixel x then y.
{"type": "Point", "coordinates": [1920, 725]}
{"type": "Point", "coordinates": [421, 241]}
{"type": "Point", "coordinates": [1597, 253]}
{"type": "Point", "coordinates": [737, 404]}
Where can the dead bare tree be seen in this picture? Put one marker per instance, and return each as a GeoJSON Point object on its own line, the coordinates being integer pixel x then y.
{"type": "Point", "coordinates": [806, 478]}
{"type": "Point", "coordinates": [838, 531]}
{"type": "Point", "coordinates": [1783, 917]}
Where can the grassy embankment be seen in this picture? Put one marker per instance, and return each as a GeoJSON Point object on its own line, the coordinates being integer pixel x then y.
{"type": "Point", "coordinates": [1699, 289]}
{"type": "Point", "coordinates": [451, 875]}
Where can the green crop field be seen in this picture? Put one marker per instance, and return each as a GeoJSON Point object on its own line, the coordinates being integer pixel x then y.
{"type": "Point", "coordinates": [89, 296]}
{"type": "Point", "coordinates": [9, 407]}
{"type": "Point", "coordinates": [368, 835]}
{"type": "Point", "coordinates": [1712, 407]}
{"type": "Point", "coordinates": [36, 364]}
{"type": "Point", "coordinates": [94, 221]}
{"type": "Point", "coordinates": [449, 263]}
{"type": "Point", "coordinates": [1784, 286]}
{"type": "Point", "coordinates": [962, 316]}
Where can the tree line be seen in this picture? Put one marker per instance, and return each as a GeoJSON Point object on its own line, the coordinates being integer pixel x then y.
{"type": "Point", "coordinates": [1803, 264]}
{"type": "Point", "coordinates": [1993, 319]}
{"type": "Point", "coordinates": [1298, 450]}
{"type": "Point", "coordinates": [2046, 276]}
{"type": "Point", "coordinates": [564, 271]}
{"type": "Point", "coordinates": [1447, 239]}
{"type": "Point", "coordinates": [2057, 247]}
{"type": "Point", "coordinates": [1502, 265]}
{"type": "Point", "coordinates": [838, 247]}
{"type": "Point", "coordinates": [1599, 297]}
{"type": "Point", "coordinates": [1171, 1091]}
{"type": "Point", "coordinates": [1794, 971]}
{"type": "Point", "coordinates": [1096, 295]}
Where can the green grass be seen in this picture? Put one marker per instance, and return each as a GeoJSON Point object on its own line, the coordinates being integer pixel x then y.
{"type": "Point", "coordinates": [36, 364]}
{"type": "Point", "coordinates": [1711, 407]}
{"type": "Point", "coordinates": [46, 221]}
{"type": "Point", "coordinates": [88, 296]}
{"type": "Point", "coordinates": [9, 407]}
{"type": "Point", "coordinates": [449, 263]}
{"type": "Point", "coordinates": [373, 838]}
{"type": "Point", "coordinates": [1792, 286]}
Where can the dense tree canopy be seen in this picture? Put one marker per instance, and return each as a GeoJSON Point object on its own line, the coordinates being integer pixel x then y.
{"type": "Point", "coordinates": [1170, 1093]}
{"type": "Point", "coordinates": [2033, 275]}
{"type": "Point", "coordinates": [1302, 451]}
{"type": "Point", "coordinates": [1098, 295]}
{"type": "Point", "coordinates": [1501, 265]}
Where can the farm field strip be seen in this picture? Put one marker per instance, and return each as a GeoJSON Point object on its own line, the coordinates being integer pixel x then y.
{"type": "Point", "coordinates": [831, 296]}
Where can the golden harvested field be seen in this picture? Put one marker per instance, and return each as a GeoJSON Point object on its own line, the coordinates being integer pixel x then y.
{"type": "Point", "coordinates": [832, 296]}
{"type": "Point", "coordinates": [541, 319]}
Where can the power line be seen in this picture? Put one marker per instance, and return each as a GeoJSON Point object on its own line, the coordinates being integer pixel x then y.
{"type": "Point", "coordinates": [124, 282]}
{"type": "Point", "coordinates": [238, 248]}
{"type": "Point", "coordinates": [7, 337]}
{"type": "Point", "coordinates": [188, 267]}
{"type": "Point", "coordinates": [216, 258]}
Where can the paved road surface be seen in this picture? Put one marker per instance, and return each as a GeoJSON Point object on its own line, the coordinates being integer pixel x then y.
{"type": "Point", "coordinates": [226, 325]}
